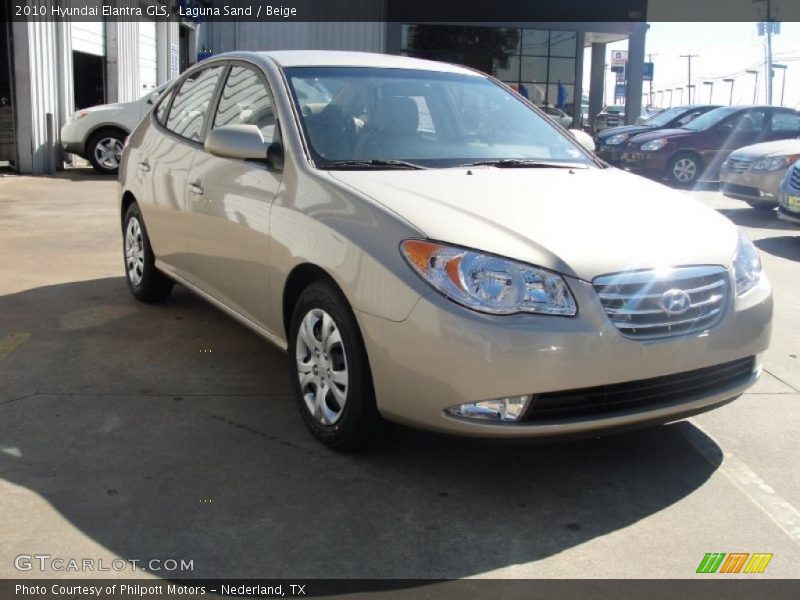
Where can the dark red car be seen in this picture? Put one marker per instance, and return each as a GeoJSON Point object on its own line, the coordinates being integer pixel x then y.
{"type": "Point", "coordinates": [695, 151]}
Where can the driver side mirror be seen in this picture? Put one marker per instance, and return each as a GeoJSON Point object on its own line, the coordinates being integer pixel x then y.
{"type": "Point", "coordinates": [243, 142]}
{"type": "Point", "coordinates": [153, 97]}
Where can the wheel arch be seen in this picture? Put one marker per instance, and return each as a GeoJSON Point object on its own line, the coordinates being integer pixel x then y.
{"type": "Point", "coordinates": [300, 277]}
{"type": "Point", "coordinates": [127, 199]}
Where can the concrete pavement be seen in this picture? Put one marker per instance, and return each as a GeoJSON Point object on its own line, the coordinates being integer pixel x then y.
{"type": "Point", "coordinates": [137, 431]}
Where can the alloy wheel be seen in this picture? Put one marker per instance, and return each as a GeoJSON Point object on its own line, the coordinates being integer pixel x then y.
{"type": "Point", "coordinates": [322, 366]}
{"type": "Point", "coordinates": [685, 170]}
{"type": "Point", "coordinates": [134, 251]}
{"type": "Point", "coordinates": [108, 153]}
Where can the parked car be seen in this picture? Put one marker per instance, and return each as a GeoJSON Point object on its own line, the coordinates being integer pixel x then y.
{"type": "Point", "coordinates": [559, 116]}
{"type": "Point", "coordinates": [98, 133]}
{"type": "Point", "coordinates": [611, 142]}
{"type": "Point", "coordinates": [789, 195]}
{"type": "Point", "coordinates": [695, 151]}
{"type": "Point", "coordinates": [754, 173]}
{"type": "Point", "coordinates": [610, 116]}
{"type": "Point", "coordinates": [433, 271]}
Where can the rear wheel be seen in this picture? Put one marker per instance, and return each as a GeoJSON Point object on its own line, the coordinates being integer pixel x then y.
{"type": "Point", "coordinates": [331, 380]}
{"type": "Point", "coordinates": [145, 281]}
{"type": "Point", "coordinates": [684, 169]}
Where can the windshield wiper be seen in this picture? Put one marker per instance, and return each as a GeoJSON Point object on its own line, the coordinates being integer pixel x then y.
{"type": "Point", "coordinates": [517, 163]}
{"type": "Point", "coordinates": [372, 164]}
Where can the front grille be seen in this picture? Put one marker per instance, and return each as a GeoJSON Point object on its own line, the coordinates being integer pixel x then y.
{"type": "Point", "coordinates": [649, 304]}
{"type": "Point", "coordinates": [605, 400]}
{"type": "Point", "coordinates": [738, 164]}
{"type": "Point", "coordinates": [794, 180]}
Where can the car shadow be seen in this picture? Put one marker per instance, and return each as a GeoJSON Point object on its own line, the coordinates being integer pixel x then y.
{"type": "Point", "coordinates": [785, 246]}
{"type": "Point", "coordinates": [168, 431]}
{"type": "Point", "coordinates": [754, 217]}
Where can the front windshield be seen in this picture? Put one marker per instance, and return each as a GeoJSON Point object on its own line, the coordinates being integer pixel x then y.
{"type": "Point", "coordinates": [428, 118]}
{"type": "Point", "coordinates": [710, 119]}
{"type": "Point", "coordinates": [664, 117]}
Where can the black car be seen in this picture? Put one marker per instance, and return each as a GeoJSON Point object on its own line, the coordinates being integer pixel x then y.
{"type": "Point", "coordinates": [610, 143]}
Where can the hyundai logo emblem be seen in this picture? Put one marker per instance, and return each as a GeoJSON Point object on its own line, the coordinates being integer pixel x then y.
{"type": "Point", "coordinates": [675, 302]}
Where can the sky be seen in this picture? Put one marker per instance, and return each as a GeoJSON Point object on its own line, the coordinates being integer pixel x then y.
{"type": "Point", "coordinates": [725, 50]}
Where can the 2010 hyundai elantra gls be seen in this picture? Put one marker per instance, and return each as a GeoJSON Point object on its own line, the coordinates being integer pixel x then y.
{"type": "Point", "coordinates": [431, 249]}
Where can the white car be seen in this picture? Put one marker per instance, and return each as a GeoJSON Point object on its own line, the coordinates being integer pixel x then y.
{"type": "Point", "coordinates": [98, 133]}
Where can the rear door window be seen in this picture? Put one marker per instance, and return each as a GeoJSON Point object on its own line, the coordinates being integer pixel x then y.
{"type": "Point", "coordinates": [190, 106]}
{"type": "Point", "coordinates": [786, 122]}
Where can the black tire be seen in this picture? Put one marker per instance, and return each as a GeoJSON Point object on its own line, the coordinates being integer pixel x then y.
{"type": "Point", "coordinates": [358, 423]}
{"type": "Point", "coordinates": [152, 285]}
{"type": "Point", "coordinates": [683, 159]}
{"type": "Point", "coordinates": [764, 205]}
{"type": "Point", "coordinates": [99, 137]}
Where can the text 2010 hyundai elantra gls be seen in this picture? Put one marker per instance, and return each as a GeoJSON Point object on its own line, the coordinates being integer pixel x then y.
{"type": "Point", "coordinates": [431, 249]}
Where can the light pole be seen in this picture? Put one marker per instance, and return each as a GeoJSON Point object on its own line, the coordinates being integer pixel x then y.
{"type": "Point", "coordinates": [710, 85]}
{"type": "Point", "coordinates": [670, 97]}
{"type": "Point", "coordinates": [690, 93]}
{"type": "Point", "coordinates": [731, 81]}
{"type": "Point", "coordinates": [755, 85]}
{"type": "Point", "coordinates": [680, 98]}
{"type": "Point", "coordinates": [689, 85]}
{"type": "Point", "coordinates": [783, 79]}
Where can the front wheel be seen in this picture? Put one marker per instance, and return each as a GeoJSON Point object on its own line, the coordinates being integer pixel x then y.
{"type": "Point", "coordinates": [331, 378]}
{"type": "Point", "coordinates": [684, 169]}
{"type": "Point", "coordinates": [105, 151]}
{"type": "Point", "coordinates": [762, 204]}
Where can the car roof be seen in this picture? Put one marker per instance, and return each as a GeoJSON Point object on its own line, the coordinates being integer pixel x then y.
{"type": "Point", "coordinates": [335, 58]}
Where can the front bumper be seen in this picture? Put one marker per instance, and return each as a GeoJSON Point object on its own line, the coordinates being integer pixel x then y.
{"type": "Point", "coordinates": [751, 185]}
{"type": "Point", "coordinates": [612, 154]}
{"type": "Point", "coordinates": [644, 162]}
{"type": "Point", "coordinates": [71, 139]}
{"type": "Point", "coordinates": [443, 355]}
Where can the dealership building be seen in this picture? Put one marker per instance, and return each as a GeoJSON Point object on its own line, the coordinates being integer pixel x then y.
{"type": "Point", "coordinates": [50, 68]}
{"type": "Point", "coordinates": [56, 68]}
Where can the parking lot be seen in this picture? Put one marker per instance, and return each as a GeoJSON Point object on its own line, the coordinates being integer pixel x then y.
{"type": "Point", "coordinates": [168, 431]}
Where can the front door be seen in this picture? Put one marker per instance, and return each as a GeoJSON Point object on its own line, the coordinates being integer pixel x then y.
{"type": "Point", "coordinates": [230, 202]}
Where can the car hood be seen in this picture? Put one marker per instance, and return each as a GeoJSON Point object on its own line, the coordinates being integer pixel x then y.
{"type": "Point", "coordinates": [629, 129]}
{"type": "Point", "coordinates": [776, 148]}
{"type": "Point", "coordinates": [661, 133]}
{"type": "Point", "coordinates": [580, 222]}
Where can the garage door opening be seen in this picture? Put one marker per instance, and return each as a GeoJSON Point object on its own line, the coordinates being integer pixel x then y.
{"type": "Point", "coordinates": [7, 139]}
{"type": "Point", "coordinates": [88, 73]}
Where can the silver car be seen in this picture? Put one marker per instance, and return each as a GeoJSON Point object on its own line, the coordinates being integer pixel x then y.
{"type": "Point", "coordinates": [754, 173]}
{"type": "Point", "coordinates": [429, 248]}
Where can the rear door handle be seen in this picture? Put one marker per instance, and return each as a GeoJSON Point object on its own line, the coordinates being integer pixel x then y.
{"type": "Point", "coordinates": [144, 166]}
{"type": "Point", "coordinates": [196, 189]}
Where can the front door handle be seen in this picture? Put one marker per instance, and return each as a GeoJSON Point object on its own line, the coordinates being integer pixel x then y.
{"type": "Point", "coordinates": [144, 166]}
{"type": "Point", "coordinates": [196, 189]}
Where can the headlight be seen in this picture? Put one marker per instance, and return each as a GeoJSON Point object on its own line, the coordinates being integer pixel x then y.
{"type": "Point", "coordinates": [615, 140]}
{"type": "Point", "coordinates": [746, 265]}
{"type": "Point", "coordinates": [654, 145]}
{"type": "Point", "coordinates": [78, 115]}
{"type": "Point", "coordinates": [773, 164]}
{"type": "Point", "coordinates": [488, 283]}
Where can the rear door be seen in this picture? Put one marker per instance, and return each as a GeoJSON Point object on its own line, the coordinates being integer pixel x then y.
{"type": "Point", "coordinates": [784, 124]}
{"type": "Point", "coordinates": [230, 202]}
{"type": "Point", "coordinates": [163, 163]}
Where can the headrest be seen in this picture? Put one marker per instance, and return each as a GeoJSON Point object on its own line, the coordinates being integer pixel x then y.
{"type": "Point", "coordinates": [396, 114]}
